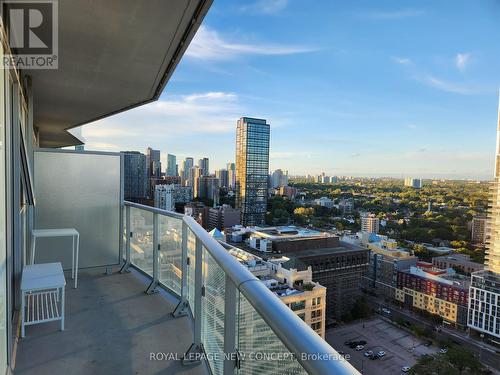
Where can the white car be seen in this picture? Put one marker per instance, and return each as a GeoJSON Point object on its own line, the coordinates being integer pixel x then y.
{"type": "Point", "coordinates": [386, 311]}
{"type": "Point", "coordinates": [368, 353]}
{"type": "Point", "coordinates": [360, 347]}
{"type": "Point", "coordinates": [381, 353]}
{"type": "Point", "coordinates": [443, 351]}
{"type": "Point", "coordinates": [406, 368]}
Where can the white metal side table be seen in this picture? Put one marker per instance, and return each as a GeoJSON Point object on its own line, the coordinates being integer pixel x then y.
{"type": "Point", "coordinates": [64, 232]}
{"type": "Point", "coordinates": [42, 292]}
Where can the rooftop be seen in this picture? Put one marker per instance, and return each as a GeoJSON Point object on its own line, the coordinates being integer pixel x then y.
{"type": "Point", "coordinates": [288, 232]}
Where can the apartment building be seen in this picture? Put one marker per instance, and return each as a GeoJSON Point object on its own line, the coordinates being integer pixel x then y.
{"type": "Point", "coordinates": [370, 223]}
{"type": "Point", "coordinates": [223, 217]}
{"type": "Point", "coordinates": [439, 292]}
{"type": "Point", "coordinates": [484, 312]}
{"type": "Point", "coordinates": [386, 257]}
{"type": "Point", "coordinates": [296, 289]}
{"type": "Point", "coordinates": [479, 230]}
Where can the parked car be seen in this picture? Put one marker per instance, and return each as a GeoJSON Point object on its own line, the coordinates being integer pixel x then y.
{"type": "Point", "coordinates": [348, 342]}
{"type": "Point", "coordinates": [359, 347]}
{"type": "Point", "coordinates": [443, 351]}
{"type": "Point", "coordinates": [406, 368]}
{"type": "Point", "coordinates": [428, 343]}
{"type": "Point", "coordinates": [361, 342]}
{"type": "Point", "coordinates": [386, 311]}
{"type": "Point", "coordinates": [373, 356]}
{"type": "Point", "coordinates": [381, 354]}
{"type": "Point", "coordinates": [369, 353]}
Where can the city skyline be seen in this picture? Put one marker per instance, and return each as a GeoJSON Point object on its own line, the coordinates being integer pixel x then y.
{"type": "Point", "coordinates": [370, 92]}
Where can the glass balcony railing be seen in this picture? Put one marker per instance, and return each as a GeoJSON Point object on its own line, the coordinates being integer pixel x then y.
{"type": "Point", "coordinates": [240, 326]}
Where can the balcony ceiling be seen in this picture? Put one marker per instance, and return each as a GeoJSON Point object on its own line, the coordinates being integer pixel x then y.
{"type": "Point", "coordinates": [113, 55]}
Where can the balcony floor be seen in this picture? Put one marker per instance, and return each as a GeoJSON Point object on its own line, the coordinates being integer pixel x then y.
{"type": "Point", "coordinates": [111, 327]}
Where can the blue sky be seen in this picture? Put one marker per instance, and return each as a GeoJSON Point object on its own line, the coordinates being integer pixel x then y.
{"type": "Point", "coordinates": [370, 88]}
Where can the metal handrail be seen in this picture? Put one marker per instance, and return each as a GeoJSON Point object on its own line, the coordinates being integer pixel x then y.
{"type": "Point", "coordinates": [314, 354]}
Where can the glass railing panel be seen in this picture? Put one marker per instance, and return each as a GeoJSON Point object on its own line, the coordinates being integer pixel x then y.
{"type": "Point", "coordinates": [141, 243]}
{"type": "Point", "coordinates": [124, 232]}
{"type": "Point", "coordinates": [212, 327]}
{"type": "Point", "coordinates": [261, 351]}
{"type": "Point", "coordinates": [191, 253]}
{"type": "Point", "coordinates": [170, 253]}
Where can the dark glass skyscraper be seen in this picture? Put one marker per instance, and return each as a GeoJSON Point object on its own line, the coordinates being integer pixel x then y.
{"type": "Point", "coordinates": [252, 169]}
{"type": "Point", "coordinates": [135, 175]}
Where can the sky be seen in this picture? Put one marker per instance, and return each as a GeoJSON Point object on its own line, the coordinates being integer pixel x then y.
{"type": "Point", "coordinates": [359, 88]}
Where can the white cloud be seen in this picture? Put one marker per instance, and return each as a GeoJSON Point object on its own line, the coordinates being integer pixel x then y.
{"type": "Point", "coordinates": [447, 86]}
{"type": "Point", "coordinates": [210, 45]}
{"type": "Point", "coordinates": [265, 6]}
{"type": "Point", "coordinates": [401, 60]}
{"type": "Point", "coordinates": [157, 123]}
{"type": "Point", "coordinates": [461, 61]}
{"type": "Point", "coordinates": [411, 126]}
{"type": "Point", "coordinates": [390, 15]}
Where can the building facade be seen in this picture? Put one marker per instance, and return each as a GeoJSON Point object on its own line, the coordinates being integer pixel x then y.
{"type": "Point", "coordinates": [171, 165]}
{"type": "Point", "coordinates": [223, 217]}
{"type": "Point", "coordinates": [187, 164]}
{"type": "Point", "coordinates": [340, 270]}
{"type": "Point", "coordinates": [415, 183]}
{"type": "Point", "coordinates": [296, 289]}
{"type": "Point", "coordinates": [484, 305]}
{"type": "Point", "coordinates": [252, 169]}
{"type": "Point", "coordinates": [164, 197]}
{"type": "Point", "coordinates": [135, 180]}
{"type": "Point", "coordinates": [204, 166]}
{"type": "Point", "coordinates": [436, 291]}
{"type": "Point", "coordinates": [459, 262]}
{"type": "Point", "coordinates": [370, 223]}
{"type": "Point", "coordinates": [479, 230]}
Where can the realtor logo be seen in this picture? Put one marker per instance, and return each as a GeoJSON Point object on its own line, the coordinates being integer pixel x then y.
{"type": "Point", "coordinates": [33, 34]}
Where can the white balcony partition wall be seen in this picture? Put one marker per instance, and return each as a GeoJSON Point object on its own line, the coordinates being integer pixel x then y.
{"type": "Point", "coordinates": [81, 190]}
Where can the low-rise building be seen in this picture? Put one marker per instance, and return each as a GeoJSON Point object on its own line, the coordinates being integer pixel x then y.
{"type": "Point", "coordinates": [285, 239]}
{"type": "Point", "coordinates": [296, 289]}
{"type": "Point", "coordinates": [385, 259]}
{"type": "Point", "coordinates": [459, 262]}
{"type": "Point", "coordinates": [324, 202]}
{"type": "Point", "coordinates": [437, 291]}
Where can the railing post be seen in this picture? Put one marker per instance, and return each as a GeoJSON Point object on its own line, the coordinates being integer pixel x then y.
{"type": "Point", "coordinates": [153, 286]}
{"type": "Point", "coordinates": [194, 353]}
{"type": "Point", "coordinates": [231, 357]}
{"type": "Point", "coordinates": [182, 307]}
{"type": "Point", "coordinates": [128, 236]}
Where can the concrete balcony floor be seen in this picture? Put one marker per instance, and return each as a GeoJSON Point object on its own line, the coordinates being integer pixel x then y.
{"type": "Point", "coordinates": [111, 327]}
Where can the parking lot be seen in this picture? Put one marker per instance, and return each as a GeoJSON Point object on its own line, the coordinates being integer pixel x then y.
{"type": "Point", "coordinates": [401, 347]}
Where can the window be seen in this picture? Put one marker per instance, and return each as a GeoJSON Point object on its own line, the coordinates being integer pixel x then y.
{"type": "Point", "coordinates": [315, 314]}
{"type": "Point", "coordinates": [299, 305]}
